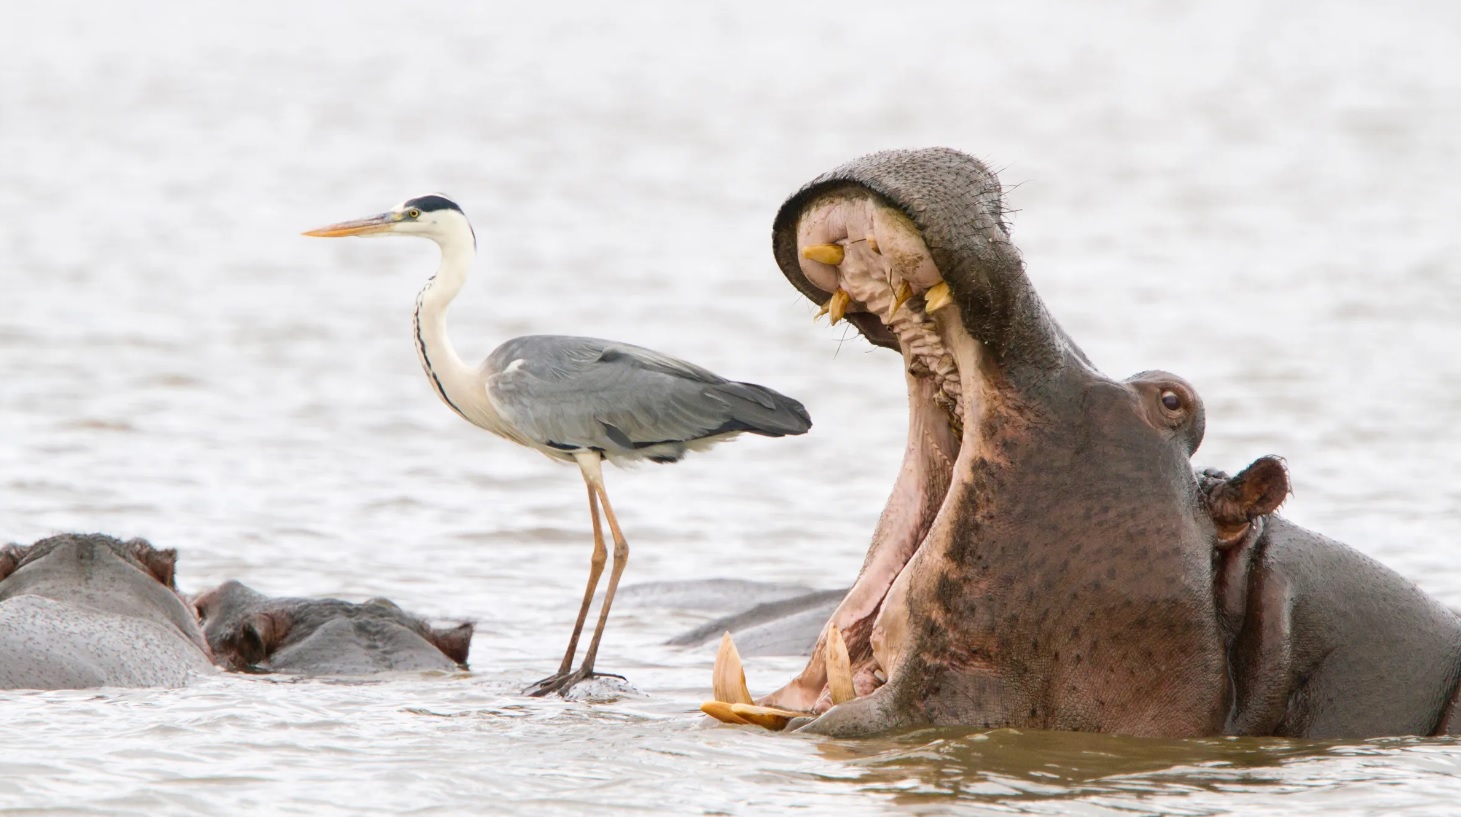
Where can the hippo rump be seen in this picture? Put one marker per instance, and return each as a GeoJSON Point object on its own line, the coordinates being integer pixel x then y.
{"type": "Point", "coordinates": [87, 610]}
{"type": "Point", "coordinates": [1049, 558]}
{"type": "Point", "coordinates": [251, 632]}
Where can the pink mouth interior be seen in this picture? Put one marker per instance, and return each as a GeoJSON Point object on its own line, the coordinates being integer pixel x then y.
{"type": "Point", "coordinates": [883, 252]}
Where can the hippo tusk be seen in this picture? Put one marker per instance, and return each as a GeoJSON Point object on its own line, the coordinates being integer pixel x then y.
{"type": "Point", "coordinates": [839, 667]}
{"type": "Point", "coordinates": [937, 297]}
{"type": "Point", "coordinates": [728, 681]}
{"type": "Point", "coordinates": [723, 712]}
{"type": "Point", "coordinates": [837, 306]}
{"type": "Point", "coordinates": [872, 244]}
{"type": "Point", "coordinates": [767, 717]}
{"type": "Point", "coordinates": [830, 254]}
{"type": "Point", "coordinates": [732, 702]}
{"type": "Point", "coordinates": [905, 291]}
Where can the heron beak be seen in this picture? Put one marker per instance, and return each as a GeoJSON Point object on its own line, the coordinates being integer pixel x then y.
{"type": "Point", "coordinates": [383, 223]}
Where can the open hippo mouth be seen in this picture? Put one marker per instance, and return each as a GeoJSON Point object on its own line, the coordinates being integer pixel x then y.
{"type": "Point", "coordinates": [925, 268]}
{"type": "Point", "coordinates": [1042, 508]}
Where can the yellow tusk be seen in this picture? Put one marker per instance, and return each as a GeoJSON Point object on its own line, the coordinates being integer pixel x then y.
{"type": "Point", "coordinates": [821, 312]}
{"type": "Point", "coordinates": [905, 291]}
{"type": "Point", "coordinates": [872, 243]}
{"type": "Point", "coordinates": [728, 680]}
{"type": "Point", "coordinates": [839, 667]}
{"type": "Point", "coordinates": [765, 716]}
{"type": "Point", "coordinates": [837, 306]}
{"type": "Point", "coordinates": [936, 298]}
{"type": "Point", "coordinates": [721, 711]}
{"type": "Point", "coordinates": [831, 254]}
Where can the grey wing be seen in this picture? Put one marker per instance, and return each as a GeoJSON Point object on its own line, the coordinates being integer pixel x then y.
{"type": "Point", "coordinates": [572, 393]}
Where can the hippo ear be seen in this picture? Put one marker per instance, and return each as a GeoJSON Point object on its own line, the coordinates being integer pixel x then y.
{"type": "Point", "coordinates": [454, 642]}
{"type": "Point", "coordinates": [1236, 501]}
{"type": "Point", "coordinates": [162, 564]}
{"type": "Point", "coordinates": [10, 557]}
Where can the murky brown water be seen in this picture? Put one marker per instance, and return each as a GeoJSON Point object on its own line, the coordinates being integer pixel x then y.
{"type": "Point", "coordinates": [1261, 199]}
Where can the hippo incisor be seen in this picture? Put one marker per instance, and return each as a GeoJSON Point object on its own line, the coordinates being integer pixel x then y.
{"type": "Point", "coordinates": [1049, 559]}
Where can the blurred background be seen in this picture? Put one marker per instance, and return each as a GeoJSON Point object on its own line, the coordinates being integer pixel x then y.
{"type": "Point", "coordinates": [1262, 198]}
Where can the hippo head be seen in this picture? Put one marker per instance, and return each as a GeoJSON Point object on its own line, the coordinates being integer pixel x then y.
{"type": "Point", "coordinates": [249, 631]}
{"type": "Point", "coordinates": [125, 577]}
{"type": "Point", "coordinates": [1048, 556]}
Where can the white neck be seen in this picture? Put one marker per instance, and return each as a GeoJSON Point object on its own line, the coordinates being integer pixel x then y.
{"type": "Point", "coordinates": [453, 380]}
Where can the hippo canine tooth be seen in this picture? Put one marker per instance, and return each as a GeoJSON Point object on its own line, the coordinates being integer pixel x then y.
{"type": "Point", "coordinates": [722, 711]}
{"type": "Point", "coordinates": [767, 717]}
{"type": "Point", "coordinates": [839, 667]}
{"type": "Point", "coordinates": [905, 291]}
{"type": "Point", "coordinates": [728, 680]}
{"type": "Point", "coordinates": [830, 254]}
{"type": "Point", "coordinates": [872, 244]}
{"type": "Point", "coordinates": [837, 306]}
{"type": "Point", "coordinates": [937, 297]}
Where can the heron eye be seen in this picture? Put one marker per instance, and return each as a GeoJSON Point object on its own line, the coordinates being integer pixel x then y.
{"type": "Point", "coordinates": [1171, 401]}
{"type": "Point", "coordinates": [413, 213]}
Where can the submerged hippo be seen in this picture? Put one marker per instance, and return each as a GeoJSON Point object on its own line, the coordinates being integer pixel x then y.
{"type": "Point", "coordinates": [1049, 558]}
{"type": "Point", "coordinates": [87, 610]}
{"type": "Point", "coordinates": [251, 632]}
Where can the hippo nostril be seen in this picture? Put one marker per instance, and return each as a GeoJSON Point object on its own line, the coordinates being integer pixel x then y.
{"type": "Point", "coordinates": [1171, 401]}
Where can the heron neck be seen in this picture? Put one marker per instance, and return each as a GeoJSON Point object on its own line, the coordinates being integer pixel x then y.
{"type": "Point", "coordinates": [449, 376]}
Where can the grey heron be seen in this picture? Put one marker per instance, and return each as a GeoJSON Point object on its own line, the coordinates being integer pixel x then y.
{"type": "Point", "coordinates": [574, 399]}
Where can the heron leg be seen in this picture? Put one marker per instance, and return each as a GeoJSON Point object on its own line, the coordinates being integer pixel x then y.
{"type": "Point", "coordinates": [595, 570]}
{"type": "Point", "coordinates": [563, 679]}
{"type": "Point", "coordinates": [621, 558]}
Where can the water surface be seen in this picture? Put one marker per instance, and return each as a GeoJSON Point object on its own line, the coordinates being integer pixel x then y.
{"type": "Point", "coordinates": [1261, 199]}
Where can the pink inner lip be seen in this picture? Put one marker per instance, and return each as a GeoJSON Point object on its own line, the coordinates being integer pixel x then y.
{"type": "Point", "coordinates": [881, 251]}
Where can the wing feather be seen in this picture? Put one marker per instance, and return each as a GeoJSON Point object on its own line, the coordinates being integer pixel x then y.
{"type": "Point", "coordinates": [583, 393]}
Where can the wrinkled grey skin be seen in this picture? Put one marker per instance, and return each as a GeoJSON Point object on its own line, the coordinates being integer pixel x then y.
{"type": "Point", "coordinates": [1080, 575]}
{"type": "Point", "coordinates": [712, 596]}
{"type": "Point", "coordinates": [1323, 641]}
{"type": "Point", "coordinates": [86, 610]}
{"type": "Point", "coordinates": [788, 626]}
{"type": "Point", "coordinates": [249, 631]}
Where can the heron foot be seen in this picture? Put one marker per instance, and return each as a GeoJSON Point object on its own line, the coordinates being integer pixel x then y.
{"type": "Point", "coordinates": [561, 683]}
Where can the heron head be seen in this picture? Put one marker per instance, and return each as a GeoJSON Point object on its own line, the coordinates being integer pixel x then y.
{"type": "Point", "coordinates": [432, 216]}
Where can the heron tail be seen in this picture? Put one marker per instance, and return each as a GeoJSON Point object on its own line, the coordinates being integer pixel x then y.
{"type": "Point", "coordinates": [760, 410]}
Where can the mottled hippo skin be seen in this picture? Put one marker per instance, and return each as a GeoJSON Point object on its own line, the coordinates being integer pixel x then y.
{"type": "Point", "coordinates": [86, 610]}
{"type": "Point", "coordinates": [1049, 558]}
{"type": "Point", "coordinates": [249, 631]}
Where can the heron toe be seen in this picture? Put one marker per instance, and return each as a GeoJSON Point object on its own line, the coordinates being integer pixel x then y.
{"type": "Point", "coordinates": [561, 683]}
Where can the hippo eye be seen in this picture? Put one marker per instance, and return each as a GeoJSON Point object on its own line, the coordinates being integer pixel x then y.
{"type": "Point", "coordinates": [1171, 401]}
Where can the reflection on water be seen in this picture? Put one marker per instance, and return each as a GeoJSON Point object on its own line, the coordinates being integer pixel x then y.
{"type": "Point", "coordinates": [1013, 767]}
{"type": "Point", "coordinates": [1262, 199]}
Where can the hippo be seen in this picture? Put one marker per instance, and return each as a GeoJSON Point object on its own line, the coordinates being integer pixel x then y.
{"type": "Point", "coordinates": [87, 610]}
{"type": "Point", "coordinates": [1049, 557]}
{"type": "Point", "coordinates": [780, 626]}
{"type": "Point", "coordinates": [251, 632]}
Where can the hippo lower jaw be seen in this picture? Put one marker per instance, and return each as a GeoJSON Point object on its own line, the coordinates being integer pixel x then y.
{"type": "Point", "coordinates": [875, 268]}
